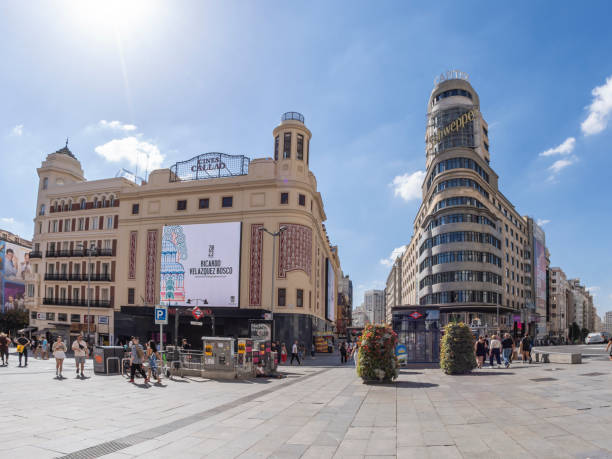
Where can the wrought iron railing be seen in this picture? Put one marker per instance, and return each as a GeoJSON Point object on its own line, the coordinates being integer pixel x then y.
{"type": "Point", "coordinates": [292, 116]}
{"type": "Point", "coordinates": [78, 302]}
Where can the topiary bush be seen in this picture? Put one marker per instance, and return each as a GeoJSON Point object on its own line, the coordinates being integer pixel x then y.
{"type": "Point", "coordinates": [376, 358]}
{"type": "Point", "coordinates": [457, 349]}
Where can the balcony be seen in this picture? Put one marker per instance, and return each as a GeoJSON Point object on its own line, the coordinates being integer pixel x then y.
{"type": "Point", "coordinates": [78, 277]}
{"type": "Point", "coordinates": [78, 253]}
{"type": "Point", "coordinates": [36, 254]}
{"type": "Point", "coordinates": [78, 302]}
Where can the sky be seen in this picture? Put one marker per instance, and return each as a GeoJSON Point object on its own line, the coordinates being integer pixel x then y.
{"type": "Point", "coordinates": [144, 84]}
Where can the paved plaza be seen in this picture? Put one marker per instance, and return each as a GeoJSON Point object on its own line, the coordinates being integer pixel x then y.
{"type": "Point", "coordinates": [319, 410]}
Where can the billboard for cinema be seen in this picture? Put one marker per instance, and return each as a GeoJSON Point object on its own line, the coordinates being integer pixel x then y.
{"type": "Point", "coordinates": [201, 262]}
{"type": "Point", "coordinates": [539, 248]}
{"type": "Point", "coordinates": [14, 266]}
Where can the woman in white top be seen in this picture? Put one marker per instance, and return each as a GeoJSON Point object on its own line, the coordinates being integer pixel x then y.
{"type": "Point", "coordinates": [495, 350]}
{"type": "Point", "coordinates": [59, 352]}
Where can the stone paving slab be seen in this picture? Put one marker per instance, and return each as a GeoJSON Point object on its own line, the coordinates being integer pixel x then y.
{"type": "Point", "coordinates": [320, 411]}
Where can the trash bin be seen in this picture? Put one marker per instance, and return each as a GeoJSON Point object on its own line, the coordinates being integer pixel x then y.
{"type": "Point", "coordinates": [100, 359]}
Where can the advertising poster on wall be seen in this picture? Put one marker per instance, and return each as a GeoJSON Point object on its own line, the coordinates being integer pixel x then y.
{"type": "Point", "coordinates": [14, 266]}
{"type": "Point", "coordinates": [330, 294]}
{"type": "Point", "coordinates": [201, 262]}
{"type": "Point", "coordinates": [539, 247]}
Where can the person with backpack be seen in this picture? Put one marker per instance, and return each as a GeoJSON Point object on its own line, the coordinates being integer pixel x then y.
{"type": "Point", "coordinates": [525, 348]}
{"type": "Point", "coordinates": [137, 355]}
{"type": "Point", "coordinates": [22, 348]}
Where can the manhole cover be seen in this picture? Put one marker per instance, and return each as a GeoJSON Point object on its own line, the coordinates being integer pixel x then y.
{"type": "Point", "coordinates": [593, 374]}
{"type": "Point", "coordinates": [543, 379]}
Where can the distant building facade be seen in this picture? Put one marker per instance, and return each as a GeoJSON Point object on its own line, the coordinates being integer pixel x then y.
{"type": "Point", "coordinates": [374, 303]}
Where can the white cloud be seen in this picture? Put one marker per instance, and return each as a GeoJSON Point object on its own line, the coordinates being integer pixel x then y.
{"type": "Point", "coordinates": [564, 149]}
{"type": "Point", "coordinates": [17, 131]}
{"type": "Point", "coordinates": [394, 254]}
{"type": "Point", "coordinates": [116, 125]}
{"type": "Point", "coordinates": [144, 155]}
{"type": "Point", "coordinates": [559, 165]}
{"type": "Point", "coordinates": [599, 110]}
{"type": "Point", "coordinates": [16, 227]}
{"type": "Point", "coordinates": [542, 222]}
{"type": "Point", "coordinates": [408, 186]}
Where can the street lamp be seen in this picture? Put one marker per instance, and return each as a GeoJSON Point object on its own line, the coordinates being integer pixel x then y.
{"type": "Point", "coordinates": [274, 236]}
{"type": "Point", "coordinates": [91, 250]}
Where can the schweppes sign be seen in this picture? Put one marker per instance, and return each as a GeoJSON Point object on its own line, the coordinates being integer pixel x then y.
{"type": "Point", "coordinates": [453, 126]}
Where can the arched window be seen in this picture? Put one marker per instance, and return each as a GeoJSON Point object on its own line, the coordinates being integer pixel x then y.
{"type": "Point", "coordinates": [95, 202]}
{"type": "Point", "coordinates": [62, 204]}
{"type": "Point", "coordinates": [104, 202]}
{"type": "Point", "coordinates": [111, 201]}
{"type": "Point", "coordinates": [70, 205]}
{"type": "Point", "coordinates": [55, 208]}
{"type": "Point", "coordinates": [45, 183]}
{"type": "Point", "coordinates": [42, 210]}
{"type": "Point", "coordinates": [83, 203]}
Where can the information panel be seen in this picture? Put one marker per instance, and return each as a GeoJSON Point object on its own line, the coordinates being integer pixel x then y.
{"type": "Point", "coordinates": [201, 262]}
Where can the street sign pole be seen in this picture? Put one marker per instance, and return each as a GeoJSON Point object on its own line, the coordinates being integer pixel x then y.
{"type": "Point", "coordinates": [161, 338]}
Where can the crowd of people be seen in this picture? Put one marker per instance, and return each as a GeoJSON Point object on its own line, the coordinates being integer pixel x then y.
{"type": "Point", "coordinates": [497, 349]}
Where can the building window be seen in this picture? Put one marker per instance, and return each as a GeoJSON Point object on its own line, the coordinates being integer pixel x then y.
{"type": "Point", "coordinates": [94, 223]}
{"type": "Point", "coordinates": [486, 145]}
{"type": "Point", "coordinates": [300, 298]}
{"type": "Point", "coordinates": [287, 145]}
{"type": "Point", "coordinates": [50, 316]}
{"type": "Point", "coordinates": [131, 293]}
{"type": "Point", "coordinates": [300, 147]}
{"type": "Point", "coordinates": [204, 203]}
{"type": "Point", "coordinates": [282, 294]}
{"type": "Point", "coordinates": [62, 317]}
{"type": "Point", "coordinates": [284, 198]}
{"type": "Point", "coordinates": [66, 225]}
{"type": "Point", "coordinates": [276, 145]}
{"type": "Point", "coordinates": [109, 222]}
{"type": "Point", "coordinates": [227, 201]}
{"type": "Point", "coordinates": [30, 290]}
{"type": "Point", "coordinates": [42, 210]}
{"type": "Point", "coordinates": [45, 183]}
{"type": "Point", "coordinates": [81, 224]}
{"type": "Point", "coordinates": [302, 200]}
{"type": "Point", "coordinates": [181, 204]}
{"type": "Point", "coordinates": [83, 204]}
{"type": "Point", "coordinates": [75, 318]}
{"type": "Point", "coordinates": [135, 209]}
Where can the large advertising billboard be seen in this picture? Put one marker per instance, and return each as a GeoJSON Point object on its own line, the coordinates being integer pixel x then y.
{"type": "Point", "coordinates": [330, 294]}
{"type": "Point", "coordinates": [539, 251]}
{"type": "Point", "coordinates": [14, 265]}
{"type": "Point", "coordinates": [201, 262]}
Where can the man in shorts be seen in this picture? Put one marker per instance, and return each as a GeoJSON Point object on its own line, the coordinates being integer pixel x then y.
{"type": "Point", "coordinates": [80, 353]}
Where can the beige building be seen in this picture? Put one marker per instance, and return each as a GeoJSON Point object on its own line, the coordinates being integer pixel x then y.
{"type": "Point", "coordinates": [393, 289]}
{"type": "Point", "coordinates": [581, 305]}
{"type": "Point", "coordinates": [471, 252]}
{"type": "Point", "coordinates": [560, 297]}
{"type": "Point", "coordinates": [125, 224]}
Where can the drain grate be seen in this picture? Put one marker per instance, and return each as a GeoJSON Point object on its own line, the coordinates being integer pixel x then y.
{"type": "Point", "coordinates": [593, 374]}
{"type": "Point", "coordinates": [543, 379]}
{"type": "Point", "coordinates": [98, 450]}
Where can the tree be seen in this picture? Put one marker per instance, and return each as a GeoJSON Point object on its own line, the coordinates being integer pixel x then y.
{"type": "Point", "coordinates": [574, 332]}
{"type": "Point", "coordinates": [583, 334]}
{"type": "Point", "coordinates": [457, 349]}
{"type": "Point", "coordinates": [376, 359]}
{"type": "Point", "coordinates": [13, 320]}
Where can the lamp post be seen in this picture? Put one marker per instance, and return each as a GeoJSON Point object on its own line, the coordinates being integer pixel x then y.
{"type": "Point", "coordinates": [91, 250]}
{"type": "Point", "coordinates": [274, 236]}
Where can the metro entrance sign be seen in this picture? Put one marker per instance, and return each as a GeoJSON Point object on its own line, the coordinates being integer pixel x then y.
{"type": "Point", "coordinates": [197, 313]}
{"type": "Point", "coordinates": [415, 315]}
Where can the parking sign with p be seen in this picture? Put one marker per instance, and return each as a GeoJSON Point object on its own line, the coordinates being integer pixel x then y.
{"type": "Point", "coordinates": [161, 315]}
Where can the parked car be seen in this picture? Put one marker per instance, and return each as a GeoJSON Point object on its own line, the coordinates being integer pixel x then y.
{"type": "Point", "coordinates": [597, 338]}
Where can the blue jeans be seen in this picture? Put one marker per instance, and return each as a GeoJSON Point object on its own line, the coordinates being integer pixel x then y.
{"type": "Point", "coordinates": [506, 353]}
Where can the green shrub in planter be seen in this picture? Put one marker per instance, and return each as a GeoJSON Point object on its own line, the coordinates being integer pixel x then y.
{"type": "Point", "coordinates": [457, 349]}
{"type": "Point", "coordinates": [376, 359]}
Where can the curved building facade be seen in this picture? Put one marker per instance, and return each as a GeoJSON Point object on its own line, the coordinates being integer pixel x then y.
{"type": "Point", "coordinates": [470, 254]}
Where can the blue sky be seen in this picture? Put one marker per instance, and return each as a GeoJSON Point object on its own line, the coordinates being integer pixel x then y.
{"type": "Point", "coordinates": [175, 79]}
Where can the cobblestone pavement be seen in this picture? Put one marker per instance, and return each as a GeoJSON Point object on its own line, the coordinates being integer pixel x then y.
{"type": "Point", "coordinates": [319, 410]}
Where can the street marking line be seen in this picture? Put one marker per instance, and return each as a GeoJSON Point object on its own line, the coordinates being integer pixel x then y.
{"type": "Point", "coordinates": [113, 446]}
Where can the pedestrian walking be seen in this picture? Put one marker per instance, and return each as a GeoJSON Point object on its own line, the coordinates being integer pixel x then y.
{"type": "Point", "coordinates": [153, 356]}
{"type": "Point", "coordinates": [81, 351]}
{"type": "Point", "coordinates": [283, 353]}
{"type": "Point", "coordinates": [507, 349]}
{"type": "Point", "coordinates": [294, 353]}
{"type": "Point", "coordinates": [495, 350]}
{"type": "Point", "coordinates": [137, 355]}
{"type": "Point", "coordinates": [525, 348]}
{"type": "Point", "coordinates": [59, 352]}
{"type": "Point", "coordinates": [480, 349]}
{"type": "Point", "coordinates": [4, 348]}
{"type": "Point", "coordinates": [45, 348]}
{"type": "Point", "coordinates": [313, 350]}
{"type": "Point", "coordinates": [22, 348]}
{"type": "Point", "coordinates": [343, 353]}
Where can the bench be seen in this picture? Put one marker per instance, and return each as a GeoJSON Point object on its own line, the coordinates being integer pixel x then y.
{"type": "Point", "coordinates": [540, 355]}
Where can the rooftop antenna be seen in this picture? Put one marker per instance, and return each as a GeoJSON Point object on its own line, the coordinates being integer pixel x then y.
{"type": "Point", "coordinates": [66, 142]}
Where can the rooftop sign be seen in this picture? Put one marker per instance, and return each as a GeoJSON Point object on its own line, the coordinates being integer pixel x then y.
{"type": "Point", "coordinates": [210, 165]}
{"type": "Point", "coordinates": [451, 75]}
